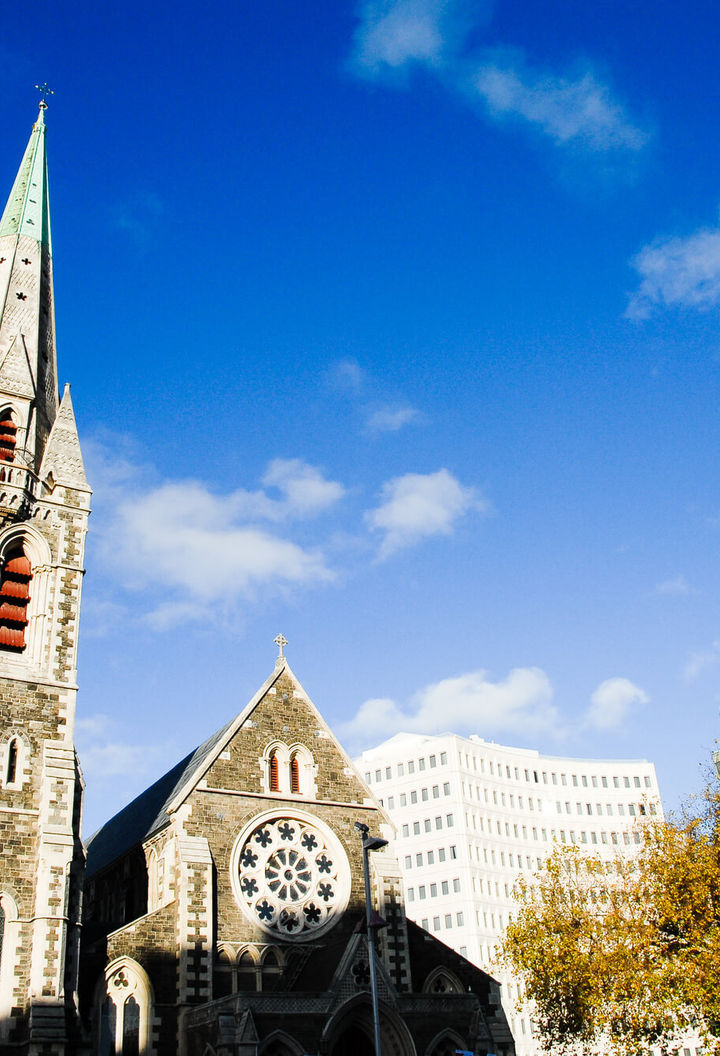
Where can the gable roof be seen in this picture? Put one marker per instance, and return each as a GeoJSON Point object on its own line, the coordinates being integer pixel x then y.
{"type": "Point", "coordinates": [146, 814]}
{"type": "Point", "coordinates": [152, 809]}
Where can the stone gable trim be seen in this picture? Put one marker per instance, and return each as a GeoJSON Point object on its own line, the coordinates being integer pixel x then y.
{"type": "Point", "coordinates": [132, 924]}
{"type": "Point", "coordinates": [282, 668]}
{"type": "Point", "coordinates": [295, 800]}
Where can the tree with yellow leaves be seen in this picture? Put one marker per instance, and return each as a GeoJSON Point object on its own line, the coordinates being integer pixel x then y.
{"type": "Point", "coordinates": [619, 956]}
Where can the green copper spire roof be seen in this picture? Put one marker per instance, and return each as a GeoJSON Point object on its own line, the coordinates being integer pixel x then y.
{"type": "Point", "coordinates": [28, 211]}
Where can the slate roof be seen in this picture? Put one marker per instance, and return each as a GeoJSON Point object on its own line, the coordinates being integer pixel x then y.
{"type": "Point", "coordinates": [148, 813]}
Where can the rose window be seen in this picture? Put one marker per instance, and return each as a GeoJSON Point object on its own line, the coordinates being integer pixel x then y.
{"type": "Point", "coordinates": [291, 876]}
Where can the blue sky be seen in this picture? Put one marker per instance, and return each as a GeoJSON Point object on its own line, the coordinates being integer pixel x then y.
{"type": "Point", "coordinates": [392, 326]}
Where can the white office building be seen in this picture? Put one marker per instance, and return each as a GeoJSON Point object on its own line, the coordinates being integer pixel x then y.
{"type": "Point", "coordinates": [472, 816]}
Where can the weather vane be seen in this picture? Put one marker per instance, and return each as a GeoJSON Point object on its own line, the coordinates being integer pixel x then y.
{"type": "Point", "coordinates": [44, 90]}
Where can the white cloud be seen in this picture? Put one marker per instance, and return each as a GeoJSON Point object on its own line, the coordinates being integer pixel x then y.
{"type": "Point", "coordinates": [393, 33]}
{"type": "Point", "coordinates": [611, 702]}
{"type": "Point", "coordinates": [391, 419]}
{"type": "Point", "coordinates": [101, 756]}
{"type": "Point", "coordinates": [183, 536]}
{"type": "Point", "coordinates": [417, 506]}
{"type": "Point", "coordinates": [700, 660]}
{"type": "Point", "coordinates": [394, 36]}
{"type": "Point", "coordinates": [521, 703]}
{"type": "Point", "coordinates": [577, 110]}
{"type": "Point", "coordinates": [346, 375]}
{"type": "Point", "coordinates": [199, 554]}
{"type": "Point", "coordinates": [305, 489]}
{"type": "Point", "coordinates": [677, 586]}
{"type": "Point", "coordinates": [678, 273]}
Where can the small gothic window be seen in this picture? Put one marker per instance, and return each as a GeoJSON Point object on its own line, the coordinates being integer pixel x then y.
{"type": "Point", "coordinates": [14, 597]}
{"type": "Point", "coordinates": [295, 774]}
{"type": "Point", "coordinates": [8, 437]}
{"type": "Point", "coordinates": [274, 773]}
{"type": "Point", "coordinates": [108, 1016]}
{"type": "Point", "coordinates": [131, 1028]}
{"type": "Point", "coordinates": [248, 972]}
{"type": "Point", "coordinates": [2, 930]}
{"type": "Point", "coordinates": [125, 1015]}
{"type": "Point", "coordinates": [12, 759]}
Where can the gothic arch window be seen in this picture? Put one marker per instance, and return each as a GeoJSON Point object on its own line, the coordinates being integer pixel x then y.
{"type": "Point", "coordinates": [272, 967]}
{"type": "Point", "coordinates": [15, 580]}
{"type": "Point", "coordinates": [289, 770]}
{"type": "Point", "coordinates": [446, 1044]}
{"type": "Point", "coordinates": [13, 757]}
{"type": "Point", "coordinates": [8, 436]}
{"type": "Point", "coordinates": [12, 762]}
{"type": "Point", "coordinates": [125, 1010]}
{"type": "Point", "coordinates": [302, 771]}
{"type": "Point", "coordinates": [442, 981]}
{"type": "Point", "coordinates": [274, 780]}
{"type": "Point", "coordinates": [25, 566]}
{"type": "Point", "coordinates": [281, 1044]}
{"type": "Point", "coordinates": [225, 982]}
{"type": "Point", "coordinates": [248, 971]}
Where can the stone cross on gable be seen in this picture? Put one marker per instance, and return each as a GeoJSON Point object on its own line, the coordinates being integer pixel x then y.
{"type": "Point", "coordinates": [280, 642]}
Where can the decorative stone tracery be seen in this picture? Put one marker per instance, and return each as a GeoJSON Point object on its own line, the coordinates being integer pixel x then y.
{"type": "Point", "coordinates": [290, 876]}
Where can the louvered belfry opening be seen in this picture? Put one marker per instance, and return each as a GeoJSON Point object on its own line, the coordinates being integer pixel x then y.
{"type": "Point", "coordinates": [14, 597]}
{"type": "Point", "coordinates": [8, 437]}
{"type": "Point", "coordinates": [295, 775]}
{"type": "Point", "coordinates": [274, 773]}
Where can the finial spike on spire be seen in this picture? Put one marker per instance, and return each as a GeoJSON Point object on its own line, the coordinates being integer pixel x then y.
{"type": "Point", "coordinates": [44, 90]}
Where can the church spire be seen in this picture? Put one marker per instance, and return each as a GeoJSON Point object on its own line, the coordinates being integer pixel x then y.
{"type": "Point", "coordinates": [28, 370]}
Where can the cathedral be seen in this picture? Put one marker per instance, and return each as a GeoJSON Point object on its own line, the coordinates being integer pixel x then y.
{"type": "Point", "coordinates": [223, 911]}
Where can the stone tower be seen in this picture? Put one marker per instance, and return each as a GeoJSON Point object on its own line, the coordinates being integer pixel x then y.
{"type": "Point", "coordinates": [44, 507]}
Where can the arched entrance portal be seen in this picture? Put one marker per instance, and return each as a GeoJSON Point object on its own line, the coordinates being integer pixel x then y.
{"type": "Point", "coordinates": [350, 1031]}
{"type": "Point", "coordinates": [353, 1042]}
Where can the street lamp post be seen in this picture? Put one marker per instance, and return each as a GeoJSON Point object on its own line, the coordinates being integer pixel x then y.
{"type": "Point", "coordinates": [371, 843]}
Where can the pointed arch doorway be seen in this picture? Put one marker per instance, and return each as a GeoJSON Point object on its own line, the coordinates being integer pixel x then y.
{"type": "Point", "coordinates": [350, 1031]}
{"type": "Point", "coordinates": [353, 1042]}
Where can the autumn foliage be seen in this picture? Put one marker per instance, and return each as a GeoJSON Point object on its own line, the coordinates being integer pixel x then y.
{"type": "Point", "coordinates": [618, 956]}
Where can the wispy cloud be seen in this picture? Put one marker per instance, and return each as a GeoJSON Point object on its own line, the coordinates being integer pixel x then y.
{"type": "Point", "coordinates": [612, 702]}
{"type": "Point", "coordinates": [417, 506]}
{"type": "Point", "coordinates": [677, 273]}
{"type": "Point", "coordinates": [138, 217]}
{"type": "Point", "coordinates": [471, 702]}
{"type": "Point", "coordinates": [392, 34]}
{"type": "Point", "coordinates": [572, 109]}
{"type": "Point", "coordinates": [103, 755]}
{"type": "Point", "coordinates": [346, 375]}
{"type": "Point", "coordinates": [391, 419]}
{"type": "Point", "coordinates": [576, 110]}
{"type": "Point", "coordinates": [700, 660]}
{"type": "Point", "coordinates": [676, 586]}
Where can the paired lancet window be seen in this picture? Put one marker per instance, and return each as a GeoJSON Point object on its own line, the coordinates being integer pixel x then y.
{"type": "Point", "coordinates": [290, 770]}
{"type": "Point", "coordinates": [125, 1012]}
{"type": "Point", "coordinates": [15, 578]}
